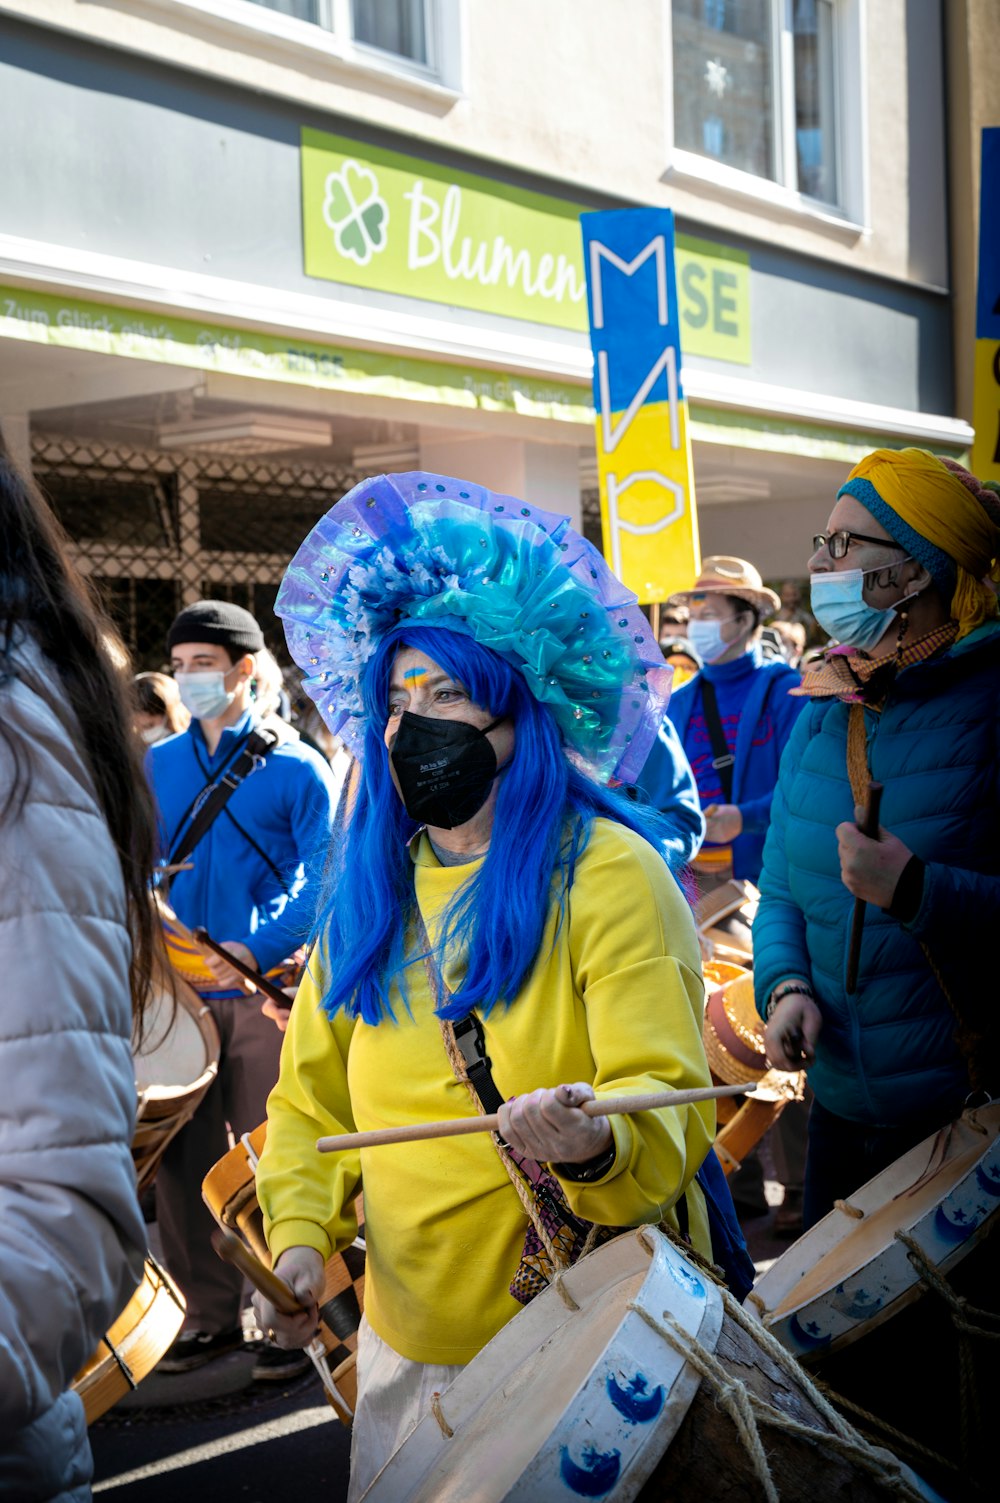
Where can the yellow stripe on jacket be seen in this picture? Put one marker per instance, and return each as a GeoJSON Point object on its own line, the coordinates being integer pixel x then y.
{"type": "Point", "coordinates": [615, 998]}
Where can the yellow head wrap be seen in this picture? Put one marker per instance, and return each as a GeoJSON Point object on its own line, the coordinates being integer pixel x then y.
{"type": "Point", "coordinates": [938, 518]}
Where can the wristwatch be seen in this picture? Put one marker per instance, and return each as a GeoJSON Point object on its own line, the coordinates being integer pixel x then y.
{"type": "Point", "coordinates": [590, 1169]}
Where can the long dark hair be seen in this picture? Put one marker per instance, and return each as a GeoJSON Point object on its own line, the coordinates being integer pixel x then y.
{"type": "Point", "coordinates": [42, 594]}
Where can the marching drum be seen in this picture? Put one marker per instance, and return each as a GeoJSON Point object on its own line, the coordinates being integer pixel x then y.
{"type": "Point", "coordinates": [733, 1036]}
{"type": "Point", "coordinates": [175, 1064]}
{"type": "Point", "coordinates": [637, 1378]}
{"type": "Point", "coordinates": [890, 1295]}
{"type": "Point", "coordinates": [228, 1191]}
{"type": "Point", "coordinates": [133, 1345]}
{"type": "Point", "coordinates": [724, 919]}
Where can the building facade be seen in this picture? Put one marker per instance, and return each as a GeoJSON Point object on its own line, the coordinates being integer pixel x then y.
{"type": "Point", "coordinates": [251, 250]}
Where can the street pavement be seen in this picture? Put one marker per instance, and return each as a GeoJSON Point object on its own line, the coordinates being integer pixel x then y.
{"type": "Point", "coordinates": [181, 1438]}
{"type": "Point", "coordinates": [214, 1434]}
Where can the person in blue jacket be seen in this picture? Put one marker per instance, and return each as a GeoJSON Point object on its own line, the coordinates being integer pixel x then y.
{"type": "Point", "coordinates": [753, 715]}
{"type": "Point", "coordinates": [667, 782]}
{"type": "Point", "coordinates": [247, 887]}
{"type": "Point", "coordinates": [909, 697]}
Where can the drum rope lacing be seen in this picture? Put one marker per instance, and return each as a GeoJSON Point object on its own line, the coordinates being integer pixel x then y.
{"type": "Point", "coordinates": [748, 1410]}
{"type": "Point", "coordinates": [969, 1321]}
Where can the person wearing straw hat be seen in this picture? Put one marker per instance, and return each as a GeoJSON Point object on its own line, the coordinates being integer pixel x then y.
{"type": "Point", "coordinates": [903, 578]}
{"type": "Point", "coordinates": [492, 894]}
{"type": "Point", "coordinates": [733, 719]}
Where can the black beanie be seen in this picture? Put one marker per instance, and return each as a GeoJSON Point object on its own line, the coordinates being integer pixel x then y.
{"type": "Point", "coordinates": [217, 621]}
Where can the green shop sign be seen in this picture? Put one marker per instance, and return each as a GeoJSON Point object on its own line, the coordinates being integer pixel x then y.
{"type": "Point", "coordinates": [374, 218]}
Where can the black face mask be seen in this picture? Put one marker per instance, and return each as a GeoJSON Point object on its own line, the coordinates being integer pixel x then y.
{"type": "Point", "coordinates": [444, 768]}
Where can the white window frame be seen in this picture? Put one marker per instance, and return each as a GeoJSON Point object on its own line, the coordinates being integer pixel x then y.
{"type": "Point", "coordinates": [248, 24]}
{"type": "Point", "coordinates": [847, 219]}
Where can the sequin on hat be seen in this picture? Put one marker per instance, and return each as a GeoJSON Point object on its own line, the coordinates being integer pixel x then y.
{"type": "Point", "coordinates": [517, 579]}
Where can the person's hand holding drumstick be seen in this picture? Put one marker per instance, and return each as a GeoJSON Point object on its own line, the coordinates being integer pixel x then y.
{"type": "Point", "coordinates": [791, 1032]}
{"type": "Point", "coordinates": [302, 1270]}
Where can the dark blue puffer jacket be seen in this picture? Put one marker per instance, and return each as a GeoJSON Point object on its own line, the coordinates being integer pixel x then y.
{"type": "Point", "coordinates": [888, 1052]}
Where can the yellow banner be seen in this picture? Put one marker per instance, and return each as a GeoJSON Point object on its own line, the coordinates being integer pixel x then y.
{"type": "Point", "coordinates": [986, 410]}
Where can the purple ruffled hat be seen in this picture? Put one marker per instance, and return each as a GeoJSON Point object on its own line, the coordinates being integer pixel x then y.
{"type": "Point", "coordinates": [518, 579]}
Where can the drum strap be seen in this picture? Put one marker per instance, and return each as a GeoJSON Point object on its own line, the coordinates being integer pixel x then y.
{"type": "Point", "coordinates": [209, 803]}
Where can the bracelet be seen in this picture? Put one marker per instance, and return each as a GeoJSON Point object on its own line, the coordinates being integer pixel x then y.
{"type": "Point", "coordinates": [591, 1169]}
{"type": "Point", "coordinates": [787, 989]}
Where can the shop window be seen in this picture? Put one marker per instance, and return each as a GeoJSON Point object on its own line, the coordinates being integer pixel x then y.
{"type": "Point", "coordinates": [142, 609]}
{"type": "Point", "coordinates": [766, 89]}
{"type": "Point", "coordinates": [138, 512]}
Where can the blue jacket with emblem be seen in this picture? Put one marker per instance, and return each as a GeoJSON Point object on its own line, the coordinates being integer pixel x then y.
{"type": "Point", "coordinates": [248, 881]}
{"type": "Point", "coordinates": [887, 1053]}
{"type": "Point", "coordinates": [766, 716]}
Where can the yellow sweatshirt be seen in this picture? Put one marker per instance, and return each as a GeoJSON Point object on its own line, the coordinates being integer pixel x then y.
{"type": "Point", "coordinates": [615, 998]}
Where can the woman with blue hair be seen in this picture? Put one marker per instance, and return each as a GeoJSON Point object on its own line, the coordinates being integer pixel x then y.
{"type": "Point", "coordinates": [495, 912]}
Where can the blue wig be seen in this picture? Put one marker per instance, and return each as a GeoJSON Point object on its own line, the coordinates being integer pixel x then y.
{"type": "Point", "coordinates": [545, 809]}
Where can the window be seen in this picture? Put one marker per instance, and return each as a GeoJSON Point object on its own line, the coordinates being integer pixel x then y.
{"type": "Point", "coordinates": [398, 27]}
{"type": "Point", "coordinates": [755, 90]}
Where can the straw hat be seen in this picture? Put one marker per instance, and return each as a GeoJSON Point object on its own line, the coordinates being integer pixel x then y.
{"type": "Point", "coordinates": [722, 575]}
{"type": "Point", "coordinates": [733, 1036]}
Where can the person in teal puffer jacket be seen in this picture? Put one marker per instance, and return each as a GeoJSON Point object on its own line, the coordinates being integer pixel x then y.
{"type": "Point", "coordinates": [902, 581]}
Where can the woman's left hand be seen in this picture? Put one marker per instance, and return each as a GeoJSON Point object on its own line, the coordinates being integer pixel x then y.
{"type": "Point", "coordinates": [550, 1127]}
{"type": "Point", "coordinates": [870, 869]}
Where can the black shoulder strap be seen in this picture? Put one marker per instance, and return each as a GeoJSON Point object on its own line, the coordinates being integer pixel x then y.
{"type": "Point", "coordinates": [471, 1041]}
{"type": "Point", "coordinates": [723, 759]}
{"type": "Point", "coordinates": [214, 797]}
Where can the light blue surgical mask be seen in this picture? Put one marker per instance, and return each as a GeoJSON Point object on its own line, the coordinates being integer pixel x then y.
{"type": "Point", "coordinates": [839, 606]}
{"type": "Point", "coordinates": [204, 694]}
{"type": "Point", "coordinates": [707, 640]}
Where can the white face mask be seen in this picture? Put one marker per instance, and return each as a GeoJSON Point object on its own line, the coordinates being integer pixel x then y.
{"type": "Point", "coordinates": [707, 640]}
{"type": "Point", "coordinates": [205, 694]}
{"type": "Point", "coordinates": [154, 733]}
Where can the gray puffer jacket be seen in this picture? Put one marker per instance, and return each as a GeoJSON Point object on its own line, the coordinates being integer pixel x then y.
{"type": "Point", "coordinates": [71, 1234]}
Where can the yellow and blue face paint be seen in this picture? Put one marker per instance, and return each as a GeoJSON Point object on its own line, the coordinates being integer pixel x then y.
{"type": "Point", "coordinates": [648, 515]}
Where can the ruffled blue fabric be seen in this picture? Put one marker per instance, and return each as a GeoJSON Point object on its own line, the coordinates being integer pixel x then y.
{"type": "Point", "coordinates": [518, 579]}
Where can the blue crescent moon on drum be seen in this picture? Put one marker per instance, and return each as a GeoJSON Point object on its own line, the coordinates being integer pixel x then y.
{"type": "Point", "coordinates": [597, 1474]}
{"type": "Point", "coordinates": [633, 1402]}
{"type": "Point", "coordinates": [808, 1334]}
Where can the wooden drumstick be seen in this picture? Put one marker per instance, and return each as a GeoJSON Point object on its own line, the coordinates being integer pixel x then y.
{"type": "Point", "coordinates": [268, 988]}
{"type": "Point", "coordinates": [869, 826]}
{"type": "Point", "coordinates": [606, 1106]}
{"type": "Point", "coordinates": [232, 1250]}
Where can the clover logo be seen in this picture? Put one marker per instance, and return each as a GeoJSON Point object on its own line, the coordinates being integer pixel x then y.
{"type": "Point", "coordinates": [356, 212]}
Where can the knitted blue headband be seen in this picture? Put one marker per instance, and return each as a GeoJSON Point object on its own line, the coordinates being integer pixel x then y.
{"type": "Point", "coordinates": [941, 568]}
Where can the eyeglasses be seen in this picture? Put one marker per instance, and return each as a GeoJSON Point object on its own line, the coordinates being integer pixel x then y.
{"type": "Point", "coordinates": [837, 543]}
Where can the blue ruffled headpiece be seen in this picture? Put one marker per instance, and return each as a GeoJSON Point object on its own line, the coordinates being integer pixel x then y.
{"type": "Point", "coordinates": [519, 580]}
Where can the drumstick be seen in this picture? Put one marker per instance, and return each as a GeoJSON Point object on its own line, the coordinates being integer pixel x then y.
{"type": "Point", "coordinates": [606, 1106]}
{"type": "Point", "coordinates": [869, 827]}
{"type": "Point", "coordinates": [202, 937]}
{"type": "Point", "coordinates": [232, 1250]}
